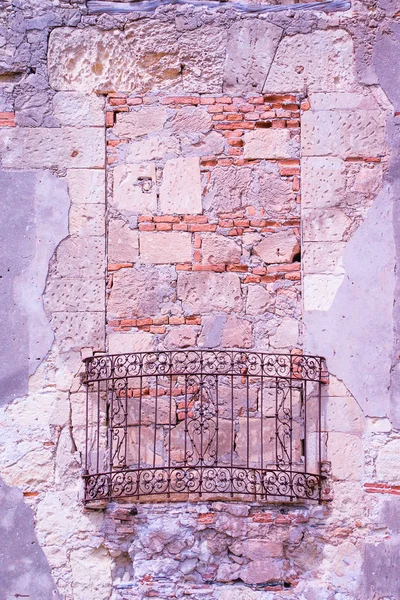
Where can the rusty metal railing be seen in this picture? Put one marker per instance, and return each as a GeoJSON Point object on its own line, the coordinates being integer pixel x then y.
{"type": "Point", "coordinates": [202, 424]}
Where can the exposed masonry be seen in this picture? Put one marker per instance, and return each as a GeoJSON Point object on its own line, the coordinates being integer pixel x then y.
{"type": "Point", "coordinates": [53, 63]}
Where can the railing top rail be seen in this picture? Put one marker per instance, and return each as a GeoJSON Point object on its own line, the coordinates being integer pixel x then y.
{"type": "Point", "coordinates": [205, 361]}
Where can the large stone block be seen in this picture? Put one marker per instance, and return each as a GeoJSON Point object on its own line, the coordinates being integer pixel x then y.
{"type": "Point", "coordinates": [148, 119]}
{"type": "Point", "coordinates": [343, 133]}
{"type": "Point", "coordinates": [325, 225]}
{"type": "Point", "coordinates": [73, 295]}
{"type": "Point", "coordinates": [76, 330]}
{"type": "Point", "coordinates": [270, 192]}
{"type": "Point", "coordinates": [190, 120]}
{"type": "Point", "coordinates": [66, 147]}
{"type": "Point", "coordinates": [258, 300]}
{"type": "Point", "coordinates": [156, 147]}
{"type": "Point", "coordinates": [86, 186]}
{"type": "Point", "coordinates": [323, 257]}
{"type": "Point", "coordinates": [87, 219]}
{"type": "Point", "coordinates": [217, 249]}
{"type": "Point", "coordinates": [250, 51]}
{"type": "Point", "coordinates": [139, 341]}
{"type": "Point", "coordinates": [237, 333]}
{"type": "Point", "coordinates": [181, 337]}
{"type": "Point", "coordinates": [123, 242]}
{"type": "Point", "coordinates": [139, 58]}
{"type": "Point", "coordinates": [79, 110]}
{"type": "Point", "coordinates": [323, 181]}
{"type": "Point", "coordinates": [319, 291]}
{"type": "Point", "coordinates": [91, 572]}
{"type": "Point", "coordinates": [271, 143]}
{"type": "Point", "coordinates": [204, 292]}
{"type": "Point", "coordinates": [135, 188]}
{"type": "Point", "coordinates": [388, 462]}
{"type": "Point", "coordinates": [319, 61]}
{"type": "Point", "coordinates": [180, 190]}
{"type": "Point", "coordinates": [346, 453]}
{"type": "Point", "coordinates": [228, 188]}
{"type": "Point", "coordinates": [81, 257]}
{"type": "Point", "coordinates": [286, 335]}
{"type": "Point", "coordinates": [279, 247]}
{"type": "Point", "coordinates": [260, 571]}
{"type": "Point", "coordinates": [165, 247]}
{"type": "Point", "coordinates": [141, 292]}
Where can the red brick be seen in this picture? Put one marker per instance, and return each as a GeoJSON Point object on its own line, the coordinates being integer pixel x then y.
{"type": "Point", "coordinates": [234, 117]}
{"type": "Point", "coordinates": [128, 322]}
{"type": "Point", "coordinates": [235, 152]}
{"type": "Point", "coordinates": [176, 320]}
{"type": "Point", "coordinates": [134, 101]}
{"type": "Point", "coordinates": [278, 124]}
{"type": "Point", "coordinates": [241, 222]}
{"type": "Point", "coordinates": [305, 104]}
{"type": "Point", "coordinates": [225, 223]}
{"type": "Point", "coordinates": [237, 268]}
{"type": "Point", "coordinates": [164, 226]}
{"type": "Point", "coordinates": [195, 219]}
{"type": "Point", "coordinates": [225, 162]}
{"type": "Point", "coordinates": [259, 270]}
{"type": "Point", "coordinates": [145, 219]}
{"type": "Point", "coordinates": [292, 123]}
{"type": "Point", "coordinates": [224, 100]}
{"type": "Point", "coordinates": [113, 322]}
{"type": "Point", "coordinates": [207, 267]}
{"type": "Point", "coordinates": [146, 227]}
{"type": "Point", "coordinates": [289, 171]}
{"type": "Point", "coordinates": [252, 279]}
{"type": "Point", "coordinates": [144, 321]}
{"type": "Point", "coordinates": [184, 267]}
{"type": "Point", "coordinates": [193, 320]}
{"type": "Point", "coordinates": [161, 320]}
{"type": "Point", "coordinates": [118, 266]}
{"type": "Point", "coordinates": [206, 518]}
{"type": "Point", "coordinates": [197, 256]}
{"type": "Point", "coordinates": [117, 101]}
{"type": "Point", "coordinates": [110, 118]}
{"type": "Point", "coordinates": [181, 100]}
{"type": "Point", "coordinates": [197, 241]}
{"type": "Point", "coordinates": [256, 100]}
{"type": "Point", "coordinates": [157, 329]}
{"type": "Point", "coordinates": [180, 227]}
{"type": "Point", "coordinates": [215, 109]}
{"type": "Point", "coordinates": [207, 101]}
{"type": "Point", "coordinates": [232, 126]}
{"type": "Point", "coordinates": [166, 219]}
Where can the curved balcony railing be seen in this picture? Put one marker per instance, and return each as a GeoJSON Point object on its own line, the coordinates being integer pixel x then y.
{"type": "Point", "coordinates": [203, 424]}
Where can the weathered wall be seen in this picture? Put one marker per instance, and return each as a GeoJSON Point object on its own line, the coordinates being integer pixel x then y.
{"type": "Point", "coordinates": [56, 66]}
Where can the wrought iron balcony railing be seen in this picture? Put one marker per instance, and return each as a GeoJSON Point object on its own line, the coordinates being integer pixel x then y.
{"type": "Point", "coordinates": [203, 424]}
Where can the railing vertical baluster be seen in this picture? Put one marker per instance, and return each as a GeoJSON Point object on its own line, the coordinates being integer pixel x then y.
{"type": "Point", "coordinates": [305, 434]}
{"type": "Point", "coordinates": [232, 436]}
{"type": "Point", "coordinates": [169, 431]}
{"type": "Point", "coordinates": [216, 462]}
{"type": "Point", "coordinates": [155, 423]}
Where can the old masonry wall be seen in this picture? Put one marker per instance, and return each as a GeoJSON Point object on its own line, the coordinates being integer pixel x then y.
{"type": "Point", "coordinates": [260, 135]}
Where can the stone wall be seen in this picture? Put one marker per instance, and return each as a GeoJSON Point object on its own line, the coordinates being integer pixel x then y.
{"type": "Point", "coordinates": [167, 145]}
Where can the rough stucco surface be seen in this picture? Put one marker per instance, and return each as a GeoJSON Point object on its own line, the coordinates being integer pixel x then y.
{"type": "Point", "coordinates": [53, 157]}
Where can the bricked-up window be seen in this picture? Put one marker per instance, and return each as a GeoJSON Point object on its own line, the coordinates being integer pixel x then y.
{"type": "Point", "coordinates": [203, 424]}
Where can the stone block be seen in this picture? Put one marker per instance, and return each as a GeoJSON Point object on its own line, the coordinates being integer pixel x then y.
{"type": "Point", "coordinates": [228, 188]}
{"type": "Point", "coordinates": [165, 247]}
{"type": "Point", "coordinates": [261, 571]}
{"type": "Point", "coordinates": [335, 408]}
{"type": "Point", "coordinates": [314, 62]}
{"type": "Point", "coordinates": [123, 242]}
{"type": "Point", "coordinates": [271, 143]}
{"type": "Point", "coordinates": [237, 333]}
{"type": "Point", "coordinates": [361, 100]}
{"type": "Point", "coordinates": [91, 572]}
{"type": "Point", "coordinates": [388, 462]}
{"type": "Point", "coordinates": [191, 120]}
{"type": "Point", "coordinates": [74, 295]}
{"type": "Point", "coordinates": [325, 225]}
{"type": "Point", "coordinates": [258, 300]}
{"type": "Point", "coordinates": [180, 190]}
{"type": "Point", "coordinates": [286, 335]}
{"type": "Point", "coordinates": [86, 186]}
{"type": "Point", "coordinates": [139, 58]}
{"type": "Point", "coordinates": [181, 337]}
{"type": "Point", "coordinates": [81, 257]}
{"type": "Point", "coordinates": [87, 220]}
{"type": "Point", "coordinates": [74, 330]}
{"type": "Point", "coordinates": [343, 133]}
{"type": "Point", "coordinates": [323, 181]}
{"type": "Point", "coordinates": [211, 331]}
{"type": "Point", "coordinates": [269, 192]}
{"type": "Point", "coordinates": [205, 292]}
{"type": "Point", "coordinates": [36, 148]}
{"type": "Point", "coordinates": [135, 188]}
{"type": "Point", "coordinates": [156, 147]}
{"type": "Point", "coordinates": [323, 257]}
{"type": "Point", "coordinates": [258, 549]}
{"type": "Point", "coordinates": [141, 292]}
{"type": "Point", "coordinates": [149, 119]}
{"type": "Point", "coordinates": [279, 247]}
{"type": "Point", "coordinates": [78, 110]}
{"type": "Point", "coordinates": [149, 455]}
{"type": "Point", "coordinates": [319, 291]}
{"type": "Point", "coordinates": [217, 249]}
{"type": "Point", "coordinates": [122, 343]}
{"type": "Point", "coordinates": [209, 144]}
{"type": "Point", "coordinates": [346, 453]}
{"type": "Point", "coordinates": [248, 436]}
{"type": "Point", "coordinates": [250, 51]}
